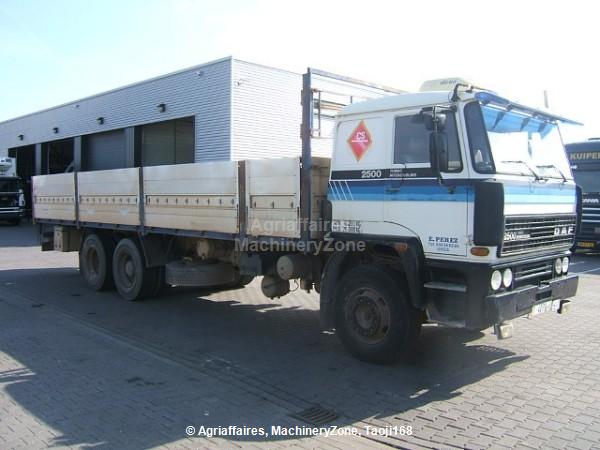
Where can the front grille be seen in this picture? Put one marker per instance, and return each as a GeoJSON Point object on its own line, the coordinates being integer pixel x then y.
{"type": "Point", "coordinates": [524, 234]}
{"type": "Point", "coordinates": [590, 220]}
{"type": "Point", "coordinates": [7, 200]}
{"type": "Point", "coordinates": [533, 273]}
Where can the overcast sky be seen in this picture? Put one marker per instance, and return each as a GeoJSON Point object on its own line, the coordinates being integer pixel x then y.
{"type": "Point", "coordinates": [56, 51]}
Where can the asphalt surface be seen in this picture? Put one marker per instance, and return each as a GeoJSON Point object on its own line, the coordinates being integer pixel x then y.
{"type": "Point", "coordinates": [81, 369]}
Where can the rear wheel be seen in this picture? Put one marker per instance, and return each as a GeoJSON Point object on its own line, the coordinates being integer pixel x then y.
{"type": "Point", "coordinates": [15, 222]}
{"type": "Point", "coordinates": [132, 279]}
{"type": "Point", "coordinates": [95, 262]}
{"type": "Point", "coordinates": [373, 315]}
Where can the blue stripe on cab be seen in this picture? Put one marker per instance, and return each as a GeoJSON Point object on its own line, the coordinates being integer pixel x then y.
{"type": "Point", "coordinates": [430, 191]}
{"type": "Point", "coordinates": [378, 192]}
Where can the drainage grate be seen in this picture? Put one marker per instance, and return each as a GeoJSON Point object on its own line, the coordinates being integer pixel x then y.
{"type": "Point", "coordinates": [316, 415]}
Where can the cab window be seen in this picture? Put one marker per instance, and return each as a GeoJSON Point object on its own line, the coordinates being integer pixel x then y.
{"type": "Point", "coordinates": [411, 141]}
{"type": "Point", "coordinates": [478, 139]}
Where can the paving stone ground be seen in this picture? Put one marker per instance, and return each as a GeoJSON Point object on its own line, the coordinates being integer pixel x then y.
{"type": "Point", "coordinates": [80, 369]}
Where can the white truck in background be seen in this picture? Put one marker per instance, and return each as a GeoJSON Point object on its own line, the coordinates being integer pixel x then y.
{"type": "Point", "coordinates": [12, 199]}
{"type": "Point", "coordinates": [454, 206]}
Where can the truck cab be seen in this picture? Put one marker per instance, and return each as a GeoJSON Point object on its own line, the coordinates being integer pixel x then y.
{"type": "Point", "coordinates": [12, 199]}
{"type": "Point", "coordinates": [478, 187]}
{"type": "Point", "coordinates": [585, 164]}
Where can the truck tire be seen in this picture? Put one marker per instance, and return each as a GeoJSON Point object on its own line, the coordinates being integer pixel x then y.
{"type": "Point", "coordinates": [95, 262]}
{"type": "Point", "coordinates": [374, 317]}
{"type": "Point", "coordinates": [133, 280]}
{"type": "Point", "coordinates": [15, 222]}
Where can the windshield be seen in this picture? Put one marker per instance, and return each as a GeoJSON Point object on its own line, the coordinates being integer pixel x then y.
{"type": "Point", "coordinates": [589, 181]}
{"type": "Point", "coordinates": [9, 185]}
{"type": "Point", "coordinates": [517, 142]}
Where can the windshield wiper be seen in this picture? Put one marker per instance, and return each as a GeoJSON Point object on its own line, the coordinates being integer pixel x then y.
{"type": "Point", "coordinates": [552, 166]}
{"type": "Point", "coordinates": [520, 161]}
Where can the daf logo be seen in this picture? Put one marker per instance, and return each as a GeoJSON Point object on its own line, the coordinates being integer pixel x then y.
{"type": "Point", "coordinates": [561, 231]}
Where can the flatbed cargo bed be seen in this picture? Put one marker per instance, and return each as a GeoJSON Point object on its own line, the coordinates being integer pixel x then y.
{"type": "Point", "coordinates": [225, 199]}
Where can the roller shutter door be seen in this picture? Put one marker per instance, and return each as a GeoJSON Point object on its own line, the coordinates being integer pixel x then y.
{"type": "Point", "coordinates": [170, 142]}
{"type": "Point", "coordinates": [105, 151]}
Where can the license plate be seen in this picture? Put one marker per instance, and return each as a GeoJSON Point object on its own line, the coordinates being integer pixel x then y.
{"type": "Point", "coordinates": [540, 308]}
{"type": "Point", "coordinates": [586, 244]}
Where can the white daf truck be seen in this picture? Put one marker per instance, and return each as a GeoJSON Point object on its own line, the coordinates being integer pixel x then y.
{"type": "Point", "coordinates": [454, 206]}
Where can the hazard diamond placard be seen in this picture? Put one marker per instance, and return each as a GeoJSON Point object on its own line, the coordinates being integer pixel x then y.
{"type": "Point", "coordinates": [360, 140]}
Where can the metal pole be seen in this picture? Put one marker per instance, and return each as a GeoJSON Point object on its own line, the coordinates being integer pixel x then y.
{"type": "Point", "coordinates": [546, 103]}
{"type": "Point", "coordinates": [306, 161]}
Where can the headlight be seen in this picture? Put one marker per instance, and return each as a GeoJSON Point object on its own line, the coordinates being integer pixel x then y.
{"type": "Point", "coordinates": [558, 266]}
{"type": "Point", "coordinates": [565, 264]}
{"type": "Point", "coordinates": [496, 280]}
{"type": "Point", "coordinates": [507, 278]}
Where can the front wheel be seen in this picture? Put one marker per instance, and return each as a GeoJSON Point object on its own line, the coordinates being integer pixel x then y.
{"type": "Point", "coordinates": [373, 315]}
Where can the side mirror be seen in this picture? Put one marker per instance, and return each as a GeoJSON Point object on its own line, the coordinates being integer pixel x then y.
{"type": "Point", "coordinates": [438, 151]}
{"type": "Point", "coordinates": [434, 122]}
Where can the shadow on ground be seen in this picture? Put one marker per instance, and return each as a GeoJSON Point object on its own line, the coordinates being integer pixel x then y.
{"type": "Point", "coordinates": [275, 349]}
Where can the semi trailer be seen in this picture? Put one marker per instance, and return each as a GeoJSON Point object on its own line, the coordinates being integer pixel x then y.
{"type": "Point", "coordinates": [451, 205]}
{"type": "Point", "coordinates": [585, 165]}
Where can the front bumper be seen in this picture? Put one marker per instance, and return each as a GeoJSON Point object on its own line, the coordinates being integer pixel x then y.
{"type": "Point", "coordinates": [511, 304]}
{"type": "Point", "coordinates": [10, 213]}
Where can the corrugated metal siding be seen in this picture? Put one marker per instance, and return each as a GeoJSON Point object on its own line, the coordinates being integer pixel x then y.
{"type": "Point", "coordinates": [203, 91]}
{"type": "Point", "coordinates": [266, 112]}
{"type": "Point", "coordinates": [242, 111]}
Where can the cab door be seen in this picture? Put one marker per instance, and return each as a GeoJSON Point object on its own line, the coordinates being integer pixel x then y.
{"type": "Point", "coordinates": [356, 185]}
{"type": "Point", "coordinates": [419, 204]}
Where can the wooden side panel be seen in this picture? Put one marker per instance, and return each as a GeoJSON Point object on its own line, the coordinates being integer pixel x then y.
{"type": "Point", "coordinates": [273, 197]}
{"type": "Point", "coordinates": [109, 196]}
{"type": "Point", "coordinates": [199, 197]}
{"type": "Point", "coordinates": [54, 196]}
{"type": "Point", "coordinates": [195, 197]}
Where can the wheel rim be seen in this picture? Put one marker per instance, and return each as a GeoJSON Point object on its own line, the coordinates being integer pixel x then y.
{"type": "Point", "coordinates": [126, 271]}
{"type": "Point", "coordinates": [92, 263]}
{"type": "Point", "coordinates": [368, 315]}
